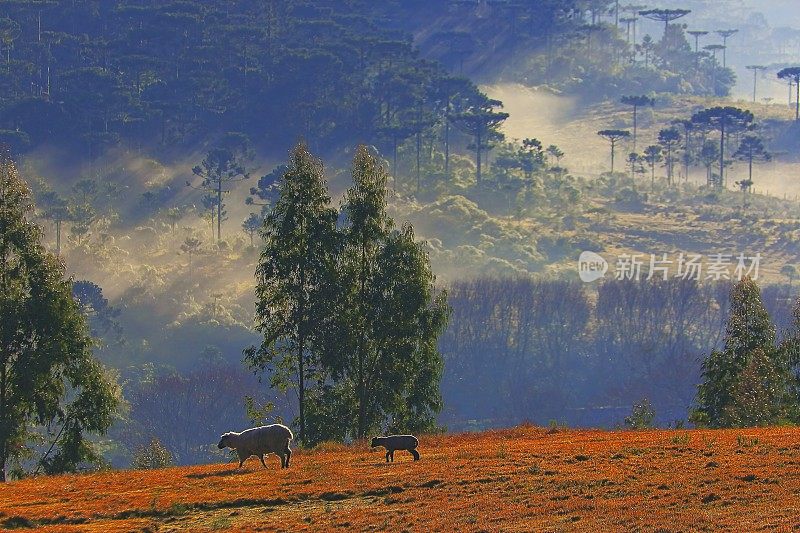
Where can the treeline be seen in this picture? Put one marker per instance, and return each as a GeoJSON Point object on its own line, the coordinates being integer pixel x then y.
{"type": "Point", "coordinates": [92, 75]}
{"type": "Point", "coordinates": [540, 350]}
{"type": "Point", "coordinates": [593, 48]}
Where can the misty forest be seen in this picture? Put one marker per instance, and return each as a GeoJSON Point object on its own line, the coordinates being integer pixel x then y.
{"type": "Point", "coordinates": [359, 218]}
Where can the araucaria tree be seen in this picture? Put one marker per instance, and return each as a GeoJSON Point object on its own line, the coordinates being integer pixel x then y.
{"type": "Point", "coordinates": [221, 167]}
{"type": "Point", "coordinates": [295, 266]}
{"type": "Point", "coordinates": [746, 383]}
{"type": "Point", "coordinates": [751, 148]}
{"type": "Point", "coordinates": [384, 357]}
{"type": "Point", "coordinates": [669, 138]}
{"type": "Point", "coordinates": [725, 120]}
{"type": "Point", "coordinates": [664, 15]}
{"type": "Point", "coordinates": [48, 377]}
{"type": "Point", "coordinates": [480, 121]}
{"type": "Point", "coordinates": [652, 155]}
{"type": "Point", "coordinates": [614, 136]}
{"type": "Point", "coordinates": [792, 74]}
{"type": "Point", "coordinates": [637, 102]}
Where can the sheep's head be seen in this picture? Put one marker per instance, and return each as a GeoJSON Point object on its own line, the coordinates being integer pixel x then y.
{"type": "Point", "coordinates": [375, 442]}
{"type": "Point", "coordinates": [222, 440]}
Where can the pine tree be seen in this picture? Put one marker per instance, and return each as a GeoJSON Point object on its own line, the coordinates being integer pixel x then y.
{"type": "Point", "coordinates": [746, 381]}
{"type": "Point", "coordinates": [48, 377]}
{"type": "Point", "coordinates": [296, 260]}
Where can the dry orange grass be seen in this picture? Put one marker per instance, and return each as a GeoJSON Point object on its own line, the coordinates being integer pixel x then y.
{"type": "Point", "coordinates": [521, 479]}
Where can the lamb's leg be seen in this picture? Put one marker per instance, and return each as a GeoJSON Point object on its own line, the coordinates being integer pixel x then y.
{"type": "Point", "coordinates": [387, 455]}
{"type": "Point", "coordinates": [415, 453]}
{"type": "Point", "coordinates": [262, 460]}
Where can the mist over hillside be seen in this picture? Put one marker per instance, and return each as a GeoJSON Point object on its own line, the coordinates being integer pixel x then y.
{"type": "Point", "coordinates": [515, 136]}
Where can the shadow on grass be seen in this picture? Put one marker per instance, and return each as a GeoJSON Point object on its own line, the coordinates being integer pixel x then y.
{"type": "Point", "coordinates": [224, 473]}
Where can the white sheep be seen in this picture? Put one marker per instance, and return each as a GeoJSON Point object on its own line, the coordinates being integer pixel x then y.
{"type": "Point", "coordinates": [397, 442]}
{"type": "Point", "coordinates": [259, 442]}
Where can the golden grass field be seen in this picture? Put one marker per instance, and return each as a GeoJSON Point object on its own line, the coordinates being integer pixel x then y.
{"type": "Point", "coordinates": [521, 479]}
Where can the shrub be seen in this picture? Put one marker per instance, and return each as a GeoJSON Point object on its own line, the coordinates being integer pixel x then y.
{"type": "Point", "coordinates": [151, 456]}
{"type": "Point", "coordinates": [642, 415]}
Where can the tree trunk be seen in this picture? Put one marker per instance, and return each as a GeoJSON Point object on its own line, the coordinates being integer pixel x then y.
{"type": "Point", "coordinates": [219, 209]}
{"type": "Point", "coordinates": [361, 392]}
{"type": "Point", "coordinates": [447, 147]}
{"type": "Point", "coordinates": [634, 128]}
{"type": "Point", "coordinates": [419, 150]}
{"type": "Point", "coordinates": [394, 162]}
{"type": "Point", "coordinates": [4, 429]}
{"type": "Point", "coordinates": [302, 385]}
{"type": "Point", "coordinates": [478, 155]}
{"type": "Point", "coordinates": [686, 156]}
{"type": "Point", "coordinates": [721, 153]}
{"type": "Point", "coordinates": [797, 103]}
{"type": "Point", "coordinates": [612, 156]}
{"type": "Point", "coordinates": [669, 165]}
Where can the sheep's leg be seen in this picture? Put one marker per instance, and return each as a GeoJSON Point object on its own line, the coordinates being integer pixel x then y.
{"type": "Point", "coordinates": [388, 453]}
{"type": "Point", "coordinates": [262, 460]}
{"type": "Point", "coordinates": [288, 453]}
{"type": "Point", "coordinates": [415, 453]}
{"type": "Point", "coordinates": [391, 454]}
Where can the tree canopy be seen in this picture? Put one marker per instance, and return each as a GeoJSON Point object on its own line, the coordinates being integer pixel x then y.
{"type": "Point", "coordinates": [48, 377]}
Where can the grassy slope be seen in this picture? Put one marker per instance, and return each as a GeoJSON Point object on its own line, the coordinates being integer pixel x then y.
{"type": "Point", "coordinates": [522, 479]}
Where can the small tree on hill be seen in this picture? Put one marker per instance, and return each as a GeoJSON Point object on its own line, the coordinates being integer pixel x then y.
{"type": "Point", "coordinates": [480, 121]}
{"type": "Point", "coordinates": [556, 153]}
{"type": "Point", "coordinates": [790, 271]}
{"type": "Point", "coordinates": [709, 154]}
{"type": "Point", "coordinates": [725, 120]}
{"type": "Point", "coordinates": [792, 74]}
{"type": "Point", "coordinates": [56, 209]}
{"type": "Point", "coordinates": [636, 102]}
{"type": "Point", "coordinates": [751, 148]}
{"type": "Point", "coordinates": [652, 155]}
{"type": "Point", "coordinates": [251, 225]}
{"type": "Point", "coordinates": [669, 139]}
{"type": "Point", "coordinates": [642, 415]}
{"type": "Point", "coordinates": [151, 456]}
{"type": "Point", "coordinates": [613, 137]}
{"type": "Point", "coordinates": [221, 167]}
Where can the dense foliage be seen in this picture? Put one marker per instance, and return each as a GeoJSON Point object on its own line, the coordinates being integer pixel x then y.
{"type": "Point", "coordinates": [749, 381]}
{"type": "Point", "coordinates": [91, 75]}
{"type": "Point", "coordinates": [52, 391]}
{"type": "Point", "coordinates": [349, 314]}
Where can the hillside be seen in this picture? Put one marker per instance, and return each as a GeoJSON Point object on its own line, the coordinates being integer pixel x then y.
{"type": "Point", "coordinates": [522, 479]}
